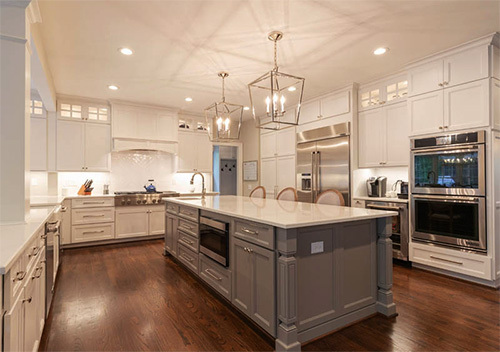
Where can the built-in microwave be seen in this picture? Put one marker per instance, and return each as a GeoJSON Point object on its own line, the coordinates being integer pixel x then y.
{"type": "Point", "coordinates": [214, 240]}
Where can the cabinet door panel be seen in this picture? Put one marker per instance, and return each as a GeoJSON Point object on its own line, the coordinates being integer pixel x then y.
{"type": "Point", "coordinates": [268, 176]}
{"type": "Point", "coordinates": [466, 66]}
{"type": "Point", "coordinates": [335, 105]}
{"type": "Point", "coordinates": [169, 232]}
{"type": "Point", "coordinates": [268, 145]}
{"type": "Point", "coordinates": [425, 78]}
{"type": "Point", "coordinates": [157, 222]}
{"type": "Point", "coordinates": [70, 145]}
{"type": "Point", "coordinates": [167, 127]}
{"type": "Point", "coordinates": [426, 113]}
{"type": "Point", "coordinates": [13, 329]}
{"type": "Point", "coordinates": [131, 222]}
{"type": "Point", "coordinates": [285, 172]}
{"type": "Point", "coordinates": [467, 105]}
{"type": "Point", "coordinates": [371, 138]}
{"type": "Point", "coordinates": [204, 151]}
{"type": "Point", "coordinates": [187, 150]}
{"type": "Point", "coordinates": [30, 315]}
{"type": "Point", "coordinates": [285, 142]}
{"type": "Point", "coordinates": [38, 144]}
{"type": "Point", "coordinates": [309, 112]}
{"type": "Point", "coordinates": [97, 147]}
{"type": "Point", "coordinates": [397, 130]}
{"type": "Point", "coordinates": [242, 277]}
{"type": "Point", "coordinates": [124, 122]}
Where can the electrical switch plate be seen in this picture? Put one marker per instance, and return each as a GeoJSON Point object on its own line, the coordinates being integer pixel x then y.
{"type": "Point", "coordinates": [317, 247]}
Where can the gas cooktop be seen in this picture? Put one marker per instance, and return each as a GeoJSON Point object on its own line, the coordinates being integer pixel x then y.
{"type": "Point", "coordinates": [142, 197]}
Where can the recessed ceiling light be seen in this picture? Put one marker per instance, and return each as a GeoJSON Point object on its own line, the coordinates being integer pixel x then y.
{"type": "Point", "coordinates": [246, 108]}
{"type": "Point", "coordinates": [188, 99]}
{"type": "Point", "coordinates": [292, 89]}
{"type": "Point", "coordinates": [126, 51]}
{"type": "Point", "coordinates": [380, 51]}
{"type": "Point", "coordinates": [113, 87]}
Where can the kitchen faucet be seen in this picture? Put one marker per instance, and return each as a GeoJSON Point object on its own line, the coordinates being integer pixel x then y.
{"type": "Point", "coordinates": [203, 190]}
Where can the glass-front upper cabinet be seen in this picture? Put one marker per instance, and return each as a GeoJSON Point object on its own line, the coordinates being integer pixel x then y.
{"type": "Point", "coordinates": [383, 92]}
{"type": "Point", "coordinates": [397, 90]}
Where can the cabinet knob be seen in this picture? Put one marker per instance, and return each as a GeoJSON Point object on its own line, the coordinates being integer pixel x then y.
{"type": "Point", "coordinates": [445, 83]}
{"type": "Point", "coordinates": [440, 84]}
{"type": "Point", "coordinates": [440, 127]}
{"type": "Point", "coordinates": [445, 126]}
{"type": "Point", "coordinates": [381, 102]}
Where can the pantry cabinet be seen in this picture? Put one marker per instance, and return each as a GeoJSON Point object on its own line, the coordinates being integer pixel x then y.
{"type": "Point", "coordinates": [83, 146]}
{"type": "Point", "coordinates": [383, 136]}
{"type": "Point", "coordinates": [194, 152]}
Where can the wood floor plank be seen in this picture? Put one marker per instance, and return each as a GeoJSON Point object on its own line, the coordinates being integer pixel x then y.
{"type": "Point", "coordinates": [128, 297]}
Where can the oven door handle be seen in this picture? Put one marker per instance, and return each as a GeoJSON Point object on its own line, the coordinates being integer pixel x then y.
{"type": "Point", "coordinates": [456, 199]}
{"type": "Point", "coordinates": [382, 207]}
{"type": "Point", "coordinates": [456, 149]}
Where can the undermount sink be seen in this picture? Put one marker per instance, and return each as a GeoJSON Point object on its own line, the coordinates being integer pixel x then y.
{"type": "Point", "coordinates": [188, 198]}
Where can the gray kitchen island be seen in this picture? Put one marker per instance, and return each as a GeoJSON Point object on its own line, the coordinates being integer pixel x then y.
{"type": "Point", "coordinates": [298, 270]}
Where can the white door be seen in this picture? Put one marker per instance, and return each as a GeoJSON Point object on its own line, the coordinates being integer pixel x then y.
{"type": "Point", "coordinates": [97, 147]}
{"type": "Point", "coordinates": [467, 105]}
{"type": "Point", "coordinates": [335, 105]}
{"type": "Point", "coordinates": [309, 112]}
{"type": "Point", "coordinates": [268, 145]}
{"type": "Point", "coordinates": [204, 152]}
{"type": "Point", "coordinates": [70, 145]}
{"type": "Point", "coordinates": [285, 172]}
{"type": "Point", "coordinates": [131, 222]}
{"type": "Point", "coordinates": [425, 78]}
{"type": "Point", "coordinates": [38, 144]}
{"type": "Point", "coordinates": [426, 113]}
{"type": "Point", "coordinates": [371, 128]}
{"type": "Point", "coordinates": [466, 66]}
{"type": "Point", "coordinates": [285, 141]}
{"type": "Point", "coordinates": [156, 221]}
{"type": "Point", "coordinates": [397, 145]}
{"type": "Point", "coordinates": [268, 176]}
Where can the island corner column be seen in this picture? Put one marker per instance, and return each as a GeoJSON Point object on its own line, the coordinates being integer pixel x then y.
{"type": "Point", "coordinates": [385, 301]}
{"type": "Point", "coordinates": [287, 333]}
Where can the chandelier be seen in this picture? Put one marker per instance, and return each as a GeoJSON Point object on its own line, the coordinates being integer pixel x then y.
{"type": "Point", "coordinates": [275, 97]}
{"type": "Point", "coordinates": [223, 118]}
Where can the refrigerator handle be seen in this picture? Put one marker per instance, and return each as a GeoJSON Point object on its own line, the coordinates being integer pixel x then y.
{"type": "Point", "coordinates": [317, 173]}
{"type": "Point", "coordinates": [313, 177]}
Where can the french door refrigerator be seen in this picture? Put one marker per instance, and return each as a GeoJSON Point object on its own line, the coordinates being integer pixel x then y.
{"type": "Point", "coordinates": [323, 162]}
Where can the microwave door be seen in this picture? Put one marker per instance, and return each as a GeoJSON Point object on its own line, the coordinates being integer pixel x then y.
{"type": "Point", "coordinates": [305, 171]}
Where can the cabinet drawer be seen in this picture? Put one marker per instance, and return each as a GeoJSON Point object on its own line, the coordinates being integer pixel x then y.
{"type": "Point", "coordinates": [92, 215]}
{"type": "Point", "coordinates": [16, 277]}
{"type": "Point", "coordinates": [262, 235]}
{"type": "Point", "coordinates": [358, 203]}
{"type": "Point", "coordinates": [216, 276]}
{"type": "Point", "coordinates": [92, 202]}
{"type": "Point", "coordinates": [172, 208]}
{"type": "Point", "coordinates": [32, 252]}
{"type": "Point", "coordinates": [188, 213]}
{"type": "Point", "coordinates": [460, 262]}
{"type": "Point", "coordinates": [87, 233]}
{"type": "Point", "coordinates": [189, 227]}
{"type": "Point", "coordinates": [188, 257]}
{"type": "Point", "coordinates": [188, 240]}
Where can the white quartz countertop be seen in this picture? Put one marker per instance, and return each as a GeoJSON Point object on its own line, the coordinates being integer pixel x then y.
{"type": "Point", "coordinates": [284, 214]}
{"type": "Point", "coordinates": [382, 199]}
{"type": "Point", "coordinates": [14, 238]}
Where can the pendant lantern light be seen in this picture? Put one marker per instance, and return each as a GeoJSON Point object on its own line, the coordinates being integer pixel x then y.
{"type": "Point", "coordinates": [276, 97]}
{"type": "Point", "coordinates": [223, 118]}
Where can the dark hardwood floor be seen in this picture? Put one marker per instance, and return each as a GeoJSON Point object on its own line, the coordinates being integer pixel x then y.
{"type": "Point", "coordinates": [128, 297]}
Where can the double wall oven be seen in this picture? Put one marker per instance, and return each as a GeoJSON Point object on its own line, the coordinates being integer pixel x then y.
{"type": "Point", "coordinates": [448, 186]}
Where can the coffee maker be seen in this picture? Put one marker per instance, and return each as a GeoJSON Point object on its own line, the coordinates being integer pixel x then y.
{"type": "Point", "coordinates": [376, 186]}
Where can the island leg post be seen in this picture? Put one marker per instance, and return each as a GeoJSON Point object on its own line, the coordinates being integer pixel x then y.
{"type": "Point", "coordinates": [385, 302]}
{"type": "Point", "coordinates": [287, 334]}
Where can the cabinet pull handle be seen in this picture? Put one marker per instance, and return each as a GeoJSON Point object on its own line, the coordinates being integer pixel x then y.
{"type": "Point", "coordinates": [185, 257]}
{"type": "Point", "coordinates": [250, 232]}
{"type": "Point", "coordinates": [381, 102]}
{"type": "Point", "coordinates": [63, 209]}
{"type": "Point", "coordinates": [185, 240]}
{"type": "Point", "coordinates": [94, 202]}
{"type": "Point", "coordinates": [440, 127]}
{"type": "Point", "coordinates": [445, 83]}
{"type": "Point", "coordinates": [19, 276]}
{"type": "Point", "coordinates": [212, 275]}
{"type": "Point", "coordinates": [34, 252]}
{"type": "Point", "coordinates": [186, 227]}
{"type": "Point", "coordinates": [249, 250]}
{"type": "Point", "coordinates": [93, 216]}
{"type": "Point", "coordinates": [44, 236]}
{"type": "Point", "coordinates": [440, 84]}
{"type": "Point", "coordinates": [37, 275]}
{"type": "Point", "coordinates": [445, 127]}
{"type": "Point", "coordinates": [28, 300]}
{"type": "Point", "coordinates": [87, 232]}
{"type": "Point", "coordinates": [447, 260]}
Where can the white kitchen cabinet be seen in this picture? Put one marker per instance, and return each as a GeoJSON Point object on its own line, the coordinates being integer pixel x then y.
{"type": "Point", "coordinates": [285, 172]}
{"type": "Point", "coordinates": [426, 113]}
{"type": "Point", "coordinates": [383, 136]}
{"type": "Point", "coordinates": [310, 112]}
{"type": "Point", "coordinates": [268, 176]}
{"type": "Point", "coordinates": [70, 146]}
{"type": "Point", "coordinates": [335, 104]}
{"type": "Point", "coordinates": [278, 143]}
{"type": "Point", "coordinates": [66, 222]}
{"type": "Point", "coordinates": [83, 146]}
{"type": "Point", "coordinates": [92, 232]}
{"type": "Point", "coordinates": [14, 325]}
{"type": "Point", "coordinates": [425, 78]}
{"type": "Point", "coordinates": [131, 222]}
{"type": "Point", "coordinates": [467, 105]}
{"type": "Point", "coordinates": [194, 152]}
{"type": "Point", "coordinates": [97, 147]}
{"type": "Point", "coordinates": [384, 92]}
{"type": "Point", "coordinates": [157, 221]}
{"type": "Point", "coordinates": [72, 109]}
{"type": "Point", "coordinates": [38, 144]}
{"type": "Point", "coordinates": [268, 144]}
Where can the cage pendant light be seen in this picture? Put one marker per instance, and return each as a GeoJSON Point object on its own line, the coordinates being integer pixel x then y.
{"type": "Point", "coordinates": [276, 97]}
{"type": "Point", "coordinates": [223, 118]}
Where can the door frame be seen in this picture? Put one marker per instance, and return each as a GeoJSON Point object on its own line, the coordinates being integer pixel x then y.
{"type": "Point", "coordinates": [239, 170]}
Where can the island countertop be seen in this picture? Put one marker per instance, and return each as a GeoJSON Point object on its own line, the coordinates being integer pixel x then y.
{"type": "Point", "coordinates": [279, 213]}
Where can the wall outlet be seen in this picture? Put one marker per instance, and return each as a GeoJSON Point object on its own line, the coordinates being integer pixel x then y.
{"type": "Point", "coordinates": [317, 247]}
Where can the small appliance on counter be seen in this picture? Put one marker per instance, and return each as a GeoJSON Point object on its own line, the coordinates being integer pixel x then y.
{"type": "Point", "coordinates": [403, 189]}
{"type": "Point", "coordinates": [376, 186]}
{"type": "Point", "coordinates": [105, 189]}
{"type": "Point", "coordinates": [150, 186]}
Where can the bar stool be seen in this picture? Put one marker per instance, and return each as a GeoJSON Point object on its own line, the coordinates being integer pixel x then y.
{"type": "Point", "coordinates": [258, 192]}
{"type": "Point", "coordinates": [288, 193]}
{"type": "Point", "coordinates": [331, 197]}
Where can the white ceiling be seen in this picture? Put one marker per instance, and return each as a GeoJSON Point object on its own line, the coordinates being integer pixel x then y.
{"type": "Point", "coordinates": [181, 45]}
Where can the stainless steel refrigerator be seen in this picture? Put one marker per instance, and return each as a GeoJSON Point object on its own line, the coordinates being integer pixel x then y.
{"type": "Point", "coordinates": [323, 162]}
